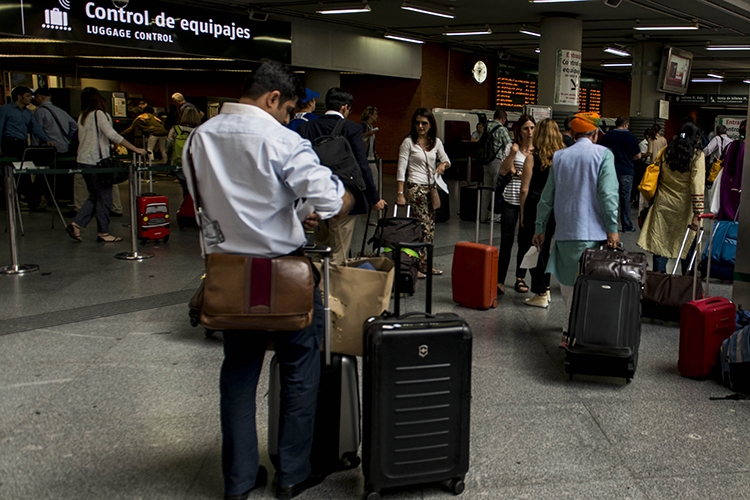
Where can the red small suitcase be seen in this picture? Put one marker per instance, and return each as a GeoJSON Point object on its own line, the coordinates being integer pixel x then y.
{"type": "Point", "coordinates": [474, 273]}
{"type": "Point", "coordinates": [704, 324]}
{"type": "Point", "coordinates": [186, 213]}
{"type": "Point", "coordinates": [153, 217]}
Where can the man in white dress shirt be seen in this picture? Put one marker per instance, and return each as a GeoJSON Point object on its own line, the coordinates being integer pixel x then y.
{"type": "Point", "coordinates": [250, 169]}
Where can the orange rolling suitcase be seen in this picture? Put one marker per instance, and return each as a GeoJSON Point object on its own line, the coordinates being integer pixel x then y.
{"type": "Point", "coordinates": [474, 273]}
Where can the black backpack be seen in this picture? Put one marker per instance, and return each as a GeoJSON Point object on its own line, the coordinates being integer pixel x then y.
{"type": "Point", "coordinates": [488, 146]}
{"type": "Point", "coordinates": [335, 152]}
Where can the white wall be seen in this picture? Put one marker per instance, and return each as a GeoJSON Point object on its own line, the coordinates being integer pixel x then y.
{"type": "Point", "coordinates": [341, 48]}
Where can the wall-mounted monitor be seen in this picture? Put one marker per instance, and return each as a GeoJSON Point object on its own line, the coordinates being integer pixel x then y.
{"type": "Point", "coordinates": [674, 75]}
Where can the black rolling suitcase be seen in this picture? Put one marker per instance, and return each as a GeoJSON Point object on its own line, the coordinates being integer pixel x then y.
{"type": "Point", "coordinates": [604, 332]}
{"type": "Point", "coordinates": [416, 398]}
{"type": "Point", "coordinates": [337, 418]}
{"type": "Point", "coordinates": [467, 203]}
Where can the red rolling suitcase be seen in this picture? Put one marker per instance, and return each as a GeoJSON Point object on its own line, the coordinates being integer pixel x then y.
{"type": "Point", "coordinates": [474, 272]}
{"type": "Point", "coordinates": [153, 217]}
{"type": "Point", "coordinates": [186, 213]}
{"type": "Point", "coordinates": [416, 398]}
{"type": "Point", "coordinates": [704, 325]}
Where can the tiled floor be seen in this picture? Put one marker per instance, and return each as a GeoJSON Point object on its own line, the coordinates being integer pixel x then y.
{"type": "Point", "coordinates": [107, 392]}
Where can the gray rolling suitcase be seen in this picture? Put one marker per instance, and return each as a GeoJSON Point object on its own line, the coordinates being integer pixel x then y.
{"type": "Point", "coordinates": [337, 419]}
{"type": "Point", "coordinates": [604, 332]}
{"type": "Point", "coordinates": [416, 398]}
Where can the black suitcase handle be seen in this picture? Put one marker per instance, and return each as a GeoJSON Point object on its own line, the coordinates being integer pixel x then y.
{"type": "Point", "coordinates": [326, 253]}
{"type": "Point", "coordinates": [397, 259]}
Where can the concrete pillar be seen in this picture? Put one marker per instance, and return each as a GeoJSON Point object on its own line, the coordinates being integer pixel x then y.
{"type": "Point", "coordinates": [320, 81]}
{"type": "Point", "coordinates": [644, 96]}
{"type": "Point", "coordinates": [741, 288]}
{"type": "Point", "coordinates": [557, 33]}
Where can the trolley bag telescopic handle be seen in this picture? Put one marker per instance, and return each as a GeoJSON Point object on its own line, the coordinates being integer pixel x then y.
{"type": "Point", "coordinates": [702, 217]}
{"type": "Point", "coordinates": [479, 209]}
{"type": "Point", "coordinates": [326, 253]}
{"type": "Point", "coordinates": [682, 247]}
{"type": "Point", "coordinates": [414, 246]}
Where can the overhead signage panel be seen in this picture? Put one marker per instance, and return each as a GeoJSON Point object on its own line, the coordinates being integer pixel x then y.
{"type": "Point", "coordinates": [688, 99]}
{"type": "Point", "coordinates": [727, 99]}
{"type": "Point", "coordinates": [148, 24]}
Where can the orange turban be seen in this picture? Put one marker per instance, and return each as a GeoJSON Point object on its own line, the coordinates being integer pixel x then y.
{"type": "Point", "coordinates": [585, 122]}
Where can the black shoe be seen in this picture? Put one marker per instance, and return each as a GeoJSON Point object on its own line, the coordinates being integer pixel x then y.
{"type": "Point", "coordinates": [295, 489]}
{"type": "Point", "coordinates": [261, 478]}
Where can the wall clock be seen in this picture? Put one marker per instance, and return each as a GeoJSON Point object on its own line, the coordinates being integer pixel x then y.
{"type": "Point", "coordinates": [479, 72]}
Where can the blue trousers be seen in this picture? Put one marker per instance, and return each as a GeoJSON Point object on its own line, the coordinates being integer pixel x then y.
{"type": "Point", "coordinates": [299, 360]}
{"type": "Point", "coordinates": [626, 188]}
{"type": "Point", "coordinates": [98, 204]}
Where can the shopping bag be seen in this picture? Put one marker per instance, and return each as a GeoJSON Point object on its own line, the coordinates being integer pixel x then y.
{"type": "Point", "coordinates": [357, 293]}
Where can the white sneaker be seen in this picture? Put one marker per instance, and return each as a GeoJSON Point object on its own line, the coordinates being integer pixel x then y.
{"type": "Point", "coordinates": [537, 301]}
{"type": "Point", "coordinates": [496, 218]}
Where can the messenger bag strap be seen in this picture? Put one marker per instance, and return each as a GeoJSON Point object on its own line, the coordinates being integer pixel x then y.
{"type": "Point", "coordinates": [193, 176]}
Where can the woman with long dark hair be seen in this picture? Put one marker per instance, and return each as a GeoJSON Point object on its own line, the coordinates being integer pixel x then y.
{"type": "Point", "coordinates": [679, 197]}
{"type": "Point", "coordinates": [95, 133]}
{"type": "Point", "coordinates": [421, 159]}
{"type": "Point", "coordinates": [547, 139]}
{"type": "Point", "coordinates": [513, 164]}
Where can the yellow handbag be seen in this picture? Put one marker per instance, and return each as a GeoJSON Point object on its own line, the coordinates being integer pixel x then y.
{"type": "Point", "coordinates": [715, 168]}
{"type": "Point", "coordinates": [650, 180]}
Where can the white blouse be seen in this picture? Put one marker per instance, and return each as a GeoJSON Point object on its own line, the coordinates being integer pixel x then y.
{"type": "Point", "coordinates": [413, 161]}
{"type": "Point", "coordinates": [93, 141]}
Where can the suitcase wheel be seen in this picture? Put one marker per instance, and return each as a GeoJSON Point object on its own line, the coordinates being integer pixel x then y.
{"type": "Point", "coordinates": [456, 486]}
{"type": "Point", "coordinates": [165, 239]}
{"type": "Point", "coordinates": [350, 461]}
{"type": "Point", "coordinates": [494, 304]}
{"type": "Point", "coordinates": [143, 242]}
{"type": "Point", "coordinates": [209, 333]}
{"type": "Point", "coordinates": [372, 495]}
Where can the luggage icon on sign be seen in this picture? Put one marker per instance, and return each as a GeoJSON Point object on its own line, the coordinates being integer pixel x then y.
{"type": "Point", "coordinates": [423, 351]}
{"type": "Point", "coordinates": [56, 19]}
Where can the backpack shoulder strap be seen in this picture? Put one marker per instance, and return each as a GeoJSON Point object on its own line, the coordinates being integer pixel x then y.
{"type": "Point", "coordinates": [338, 128]}
{"type": "Point", "coordinates": [178, 129]}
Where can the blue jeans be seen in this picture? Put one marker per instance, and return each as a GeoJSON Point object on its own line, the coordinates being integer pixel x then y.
{"type": "Point", "coordinates": [98, 204]}
{"type": "Point", "coordinates": [299, 361]}
{"type": "Point", "coordinates": [626, 188]}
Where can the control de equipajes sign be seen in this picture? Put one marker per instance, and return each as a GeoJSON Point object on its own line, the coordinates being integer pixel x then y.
{"type": "Point", "coordinates": [152, 25]}
{"type": "Point", "coordinates": [567, 77]}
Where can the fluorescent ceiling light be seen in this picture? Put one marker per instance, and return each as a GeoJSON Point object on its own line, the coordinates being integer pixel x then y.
{"type": "Point", "coordinates": [728, 47]}
{"type": "Point", "coordinates": [706, 80]}
{"type": "Point", "coordinates": [271, 39]}
{"type": "Point", "coordinates": [617, 52]}
{"type": "Point", "coordinates": [527, 32]}
{"type": "Point", "coordinates": [666, 28]}
{"type": "Point", "coordinates": [485, 31]}
{"type": "Point", "coordinates": [538, 50]}
{"type": "Point", "coordinates": [746, 80]}
{"type": "Point", "coordinates": [616, 65]}
{"type": "Point", "coordinates": [556, 1]}
{"type": "Point", "coordinates": [429, 10]}
{"type": "Point", "coordinates": [402, 38]}
{"type": "Point", "coordinates": [354, 8]}
{"type": "Point", "coordinates": [715, 75]}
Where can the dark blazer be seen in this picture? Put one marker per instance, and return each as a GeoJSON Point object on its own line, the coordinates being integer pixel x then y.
{"type": "Point", "coordinates": [353, 133]}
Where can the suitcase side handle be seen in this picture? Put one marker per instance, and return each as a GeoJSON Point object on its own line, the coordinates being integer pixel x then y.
{"type": "Point", "coordinates": [397, 258]}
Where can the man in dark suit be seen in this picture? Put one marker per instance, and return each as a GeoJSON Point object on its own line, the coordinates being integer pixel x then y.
{"type": "Point", "coordinates": [338, 233]}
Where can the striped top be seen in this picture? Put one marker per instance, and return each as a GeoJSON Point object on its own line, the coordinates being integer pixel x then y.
{"type": "Point", "coordinates": [512, 193]}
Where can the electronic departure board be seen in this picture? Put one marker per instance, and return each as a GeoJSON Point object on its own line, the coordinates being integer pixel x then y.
{"type": "Point", "coordinates": [590, 99]}
{"type": "Point", "coordinates": [515, 91]}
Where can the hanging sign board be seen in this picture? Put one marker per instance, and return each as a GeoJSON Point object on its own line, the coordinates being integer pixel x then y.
{"type": "Point", "coordinates": [148, 24]}
{"type": "Point", "coordinates": [732, 123]}
{"type": "Point", "coordinates": [567, 77]}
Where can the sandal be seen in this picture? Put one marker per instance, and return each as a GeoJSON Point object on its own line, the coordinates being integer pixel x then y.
{"type": "Point", "coordinates": [421, 275]}
{"type": "Point", "coordinates": [521, 286]}
{"type": "Point", "coordinates": [74, 232]}
{"type": "Point", "coordinates": [108, 238]}
{"type": "Point", "coordinates": [436, 272]}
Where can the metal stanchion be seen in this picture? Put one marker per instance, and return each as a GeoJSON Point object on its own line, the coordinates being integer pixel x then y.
{"type": "Point", "coordinates": [10, 194]}
{"type": "Point", "coordinates": [134, 179]}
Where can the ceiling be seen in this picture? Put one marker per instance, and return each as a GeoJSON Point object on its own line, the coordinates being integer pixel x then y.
{"type": "Point", "coordinates": [720, 22]}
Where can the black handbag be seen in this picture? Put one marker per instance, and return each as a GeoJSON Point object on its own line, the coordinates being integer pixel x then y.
{"type": "Point", "coordinates": [109, 178]}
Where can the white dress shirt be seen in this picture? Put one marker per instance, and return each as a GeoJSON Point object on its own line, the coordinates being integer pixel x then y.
{"type": "Point", "coordinates": [250, 170]}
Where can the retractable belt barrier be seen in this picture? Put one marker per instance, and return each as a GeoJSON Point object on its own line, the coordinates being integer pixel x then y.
{"type": "Point", "coordinates": [135, 167]}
